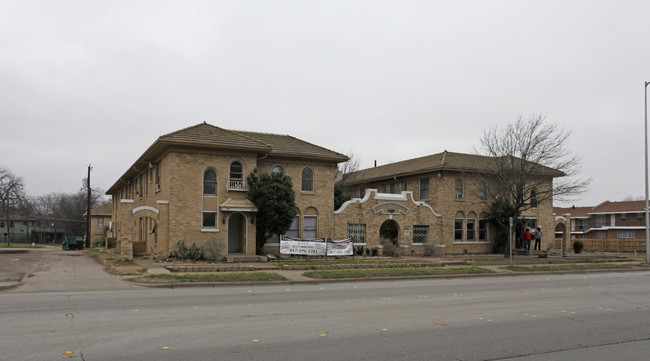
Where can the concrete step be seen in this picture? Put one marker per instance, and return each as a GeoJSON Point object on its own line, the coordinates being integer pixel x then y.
{"type": "Point", "coordinates": [244, 258]}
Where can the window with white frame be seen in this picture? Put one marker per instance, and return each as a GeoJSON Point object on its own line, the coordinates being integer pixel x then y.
{"type": "Point", "coordinates": [626, 234]}
{"type": "Point", "coordinates": [460, 189]}
{"type": "Point", "coordinates": [311, 227]}
{"type": "Point", "coordinates": [639, 217]}
{"type": "Point", "coordinates": [357, 232]}
{"type": "Point", "coordinates": [482, 190]}
{"type": "Point", "coordinates": [583, 224]}
{"type": "Point", "coordinates": [420, 234]}
{"type": "Point", "coordinates": [458, 229]}
{"type": "Point", "coordinates": [623, 217]}
{"type": "Point", "coordinates": [601, 220]}
{"type": "Point", "coordinates": [424, 188]}
{"type": "Point", "coordinates": [236, 171]}
{"type": "Point", "coordinates": [482, 229]}
{"type": "Point", "coordinates": [307, 180]}
{"type": "Point", "coordinates": [601, 234]}
{"type": "Point", "coordinates": [100, 222]}
{"type": "Point", "coordinates": [209, 219]}
{"type": "Point", "coordinates": [294, 228]}
{"type": "Point", "coordinates": [209, 182]}
{"type": "Point", "coordinates": [471, 229]}
{"type": "Point", "coordinates": [210, 200]}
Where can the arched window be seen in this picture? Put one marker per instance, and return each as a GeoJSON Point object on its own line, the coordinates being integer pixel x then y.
{"type": "Point", "coordinates": [482, 190]}
{"type": "Point", "coordinates": [460, 191]}
{"type": "Point", "coordinates": [533, 198]}
{"type": "Point", "coordinates": [307, 180]}
{"type": "Point", "coordinates": [277, 170]}
{"type": "Point", "coordinates": [210, 201]}
{"type": "Point", "coordinates": [459, 220]}
{"type": "Point", "coordinates": [236, 171]}
{"type": "Point", "coordinates": [310, 230]}
{"type": "Point", "coordinates": [295, 227]}
{"type": "Point", "coordinates": [209, 182]}
{"type": "Point", "coordinates": [471, 227]}
{"type": "Point", "coordinates": [482, 227]}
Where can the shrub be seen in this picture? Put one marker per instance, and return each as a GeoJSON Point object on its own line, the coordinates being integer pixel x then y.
{"type": "Point", "coordinates": [429, 250]}
{"type": "Point", "coordinates": [212, 250]}
{"type": "Point", "coordinates": [367, 251]}
{"type": "Point", "coordinates": [389, 249]}
{"type": "Point", "coordinates": [360, 251]}
{"type": "Point", "coordinates": [185, 253]}
{"type": "Point", "coordinates": [268, 250]}
{"type": "Point", "coordinates": [375, 252]}
{"type": "Point", "coordinates": [578, 246]}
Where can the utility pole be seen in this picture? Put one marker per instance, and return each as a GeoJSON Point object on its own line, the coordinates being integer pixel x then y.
{"type": "Point", "coordinates": [88, 210]}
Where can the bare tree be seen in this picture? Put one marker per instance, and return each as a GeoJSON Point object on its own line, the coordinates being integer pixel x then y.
{"type": "Point", "coordinates": [342, 175]}
{"type": "Point", "coordinates": [343, 170]}
{"type": "Point", "coordinates": [11, 195]}
{"type": "Point", "coordinates": [525, 155]}
{"type": "Point", "coordinates": [523, 159]}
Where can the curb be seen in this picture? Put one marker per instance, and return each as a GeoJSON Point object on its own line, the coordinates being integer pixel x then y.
{"type": "Point", "coordinates": [173, 285]}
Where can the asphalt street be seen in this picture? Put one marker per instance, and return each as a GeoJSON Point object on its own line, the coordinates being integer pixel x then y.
{"type": "Point", "coordinates": [599, 316]}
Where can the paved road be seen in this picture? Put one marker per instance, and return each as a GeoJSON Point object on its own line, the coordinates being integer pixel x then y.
{"type": "Point", "coordinates": [542, 317]}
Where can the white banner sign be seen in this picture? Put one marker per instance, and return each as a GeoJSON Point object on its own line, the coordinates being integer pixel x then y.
{"type": "Point", "coordinates": [340, 248]}
{"type": "Point", "coordinates": [312, 247]}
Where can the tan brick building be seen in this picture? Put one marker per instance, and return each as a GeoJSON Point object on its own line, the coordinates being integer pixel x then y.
{"type": "Point", "coordinates": [100, 218]}
{"type": "Point", "coordinates": [191, 185]}
{"type": "Point", "coordinates": [441, 200]}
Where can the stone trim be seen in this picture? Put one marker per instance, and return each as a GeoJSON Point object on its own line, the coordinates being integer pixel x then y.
{"type": "Point", "coordinates": [145, 208]}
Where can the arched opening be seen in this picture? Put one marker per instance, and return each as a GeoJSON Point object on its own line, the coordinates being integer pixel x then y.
{"type": "Point", "coordinates": [389, 231]}
{"type": "Point", "coordinates": [236, 232]}
{"type": "Point", "coordinates": [560, 237]}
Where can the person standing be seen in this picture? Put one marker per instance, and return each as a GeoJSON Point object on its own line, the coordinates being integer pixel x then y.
{"type": "Point", "coordinates": [538, 239]}
{"type": "Point", "coordinates": [527, 238]}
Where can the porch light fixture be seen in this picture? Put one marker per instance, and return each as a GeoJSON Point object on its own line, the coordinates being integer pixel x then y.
{"type": "Point", "coordinates": [223, 220]}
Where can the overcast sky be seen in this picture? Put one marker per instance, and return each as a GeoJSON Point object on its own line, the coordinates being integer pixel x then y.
{"type": "Point", "coordinates": [96, 82]}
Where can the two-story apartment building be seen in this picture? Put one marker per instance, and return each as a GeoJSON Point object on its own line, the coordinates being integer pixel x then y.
{"type": "Point", "coordinates": [191, 185]}
{"type": "Point", "coordinates": [608, 220]}
{"type": "Point", "coordinates": [440, 199]}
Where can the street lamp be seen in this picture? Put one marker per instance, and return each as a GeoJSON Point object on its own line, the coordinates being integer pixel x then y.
{"type": "Point", "coordinates": [647, 211]}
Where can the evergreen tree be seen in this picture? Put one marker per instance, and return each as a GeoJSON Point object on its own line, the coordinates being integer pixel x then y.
{"type": "Point", "coordinates": [275, 200]}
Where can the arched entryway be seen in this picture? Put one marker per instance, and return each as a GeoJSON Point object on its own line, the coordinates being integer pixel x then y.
{"type": "Point", "coordinates": [389, 231]}
{"type": "Point", "coordinates": [561, 238]}
{"type": "Point", "coordinates": [236, 232]}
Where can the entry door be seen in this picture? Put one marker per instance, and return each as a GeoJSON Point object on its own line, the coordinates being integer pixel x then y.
{"type": "Point", "coordinates": [234, 233]}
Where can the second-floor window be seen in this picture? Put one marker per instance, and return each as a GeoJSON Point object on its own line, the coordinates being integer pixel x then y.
{"type": "Point", "coordinates": [236, 171]}
{"type": "Point", "coordinates": [582, 224]}
{"type": "Point", "coordinates": [424, 188]}
{"type": "Point", "coordinates": [209, 182]}
{"type": "Point", "coordinates": [482, 190]}
{"type": "Point", "coordinates": [601, 220]}
{"type": "Point", "coordinates": [460, 191]}
{"type": "Point", "coordinates": [307, 180]}
{"type": "Point", "coordinates": [533, 198]}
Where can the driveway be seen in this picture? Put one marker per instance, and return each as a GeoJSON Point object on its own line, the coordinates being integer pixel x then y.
{"type": "Point", "coordinates": [53, 270]}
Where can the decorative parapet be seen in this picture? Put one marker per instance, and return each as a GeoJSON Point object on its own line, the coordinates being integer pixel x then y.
{"type": "Point", "coordinates": [385, 208]}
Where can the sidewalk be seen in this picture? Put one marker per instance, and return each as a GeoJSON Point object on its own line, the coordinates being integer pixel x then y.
{"type": "Point", "coordinates": [296, 276]}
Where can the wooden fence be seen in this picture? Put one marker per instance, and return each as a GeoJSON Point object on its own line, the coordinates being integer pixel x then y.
{"type": "Point", "coordinates": [605, 245]}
